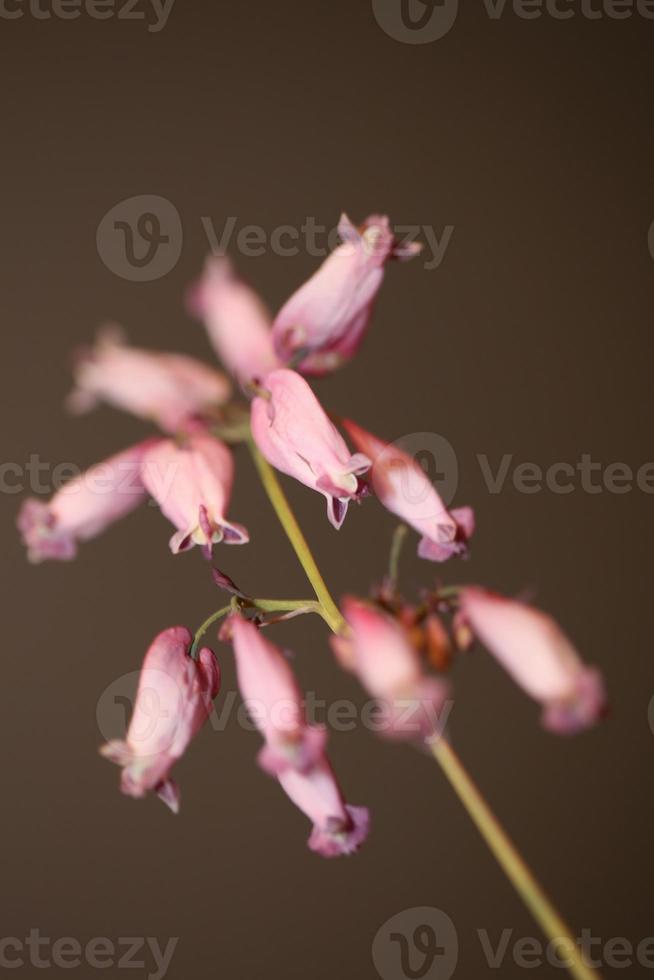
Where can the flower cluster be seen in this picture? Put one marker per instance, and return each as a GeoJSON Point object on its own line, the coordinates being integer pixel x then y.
{"type": "Point", "coordinates": [400, 652]}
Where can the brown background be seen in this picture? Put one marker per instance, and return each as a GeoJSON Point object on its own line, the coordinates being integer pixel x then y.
{"type": "Point", "coordinates": [532, 138]}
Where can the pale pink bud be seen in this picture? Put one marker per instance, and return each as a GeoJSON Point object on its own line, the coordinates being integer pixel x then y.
{"type": "Point", "coordinates": [191, 480]}
{"type": "Point", "coordinates": [328, 316]}
{"type": "Point", "coordinates": [237, 321]}
{"type": "Point", "coordinates": [337, 827]}
{"type": "Point", "coordinates": [539, 657]}
{"type": "Point", "coordinates": [404, 488]}
{"type": "Point", "coordinates": [168, 389]}
{"type": "Point", "coordinates": [84, 506]}
{"type": "Point", "coordinates": [379, 652]}
{"type": "Point", "coordinates": [271, 692]}
{"type": "Point", "coordinates": [294, 434]}
{"type": "Point", "coordinates": [174, 698]}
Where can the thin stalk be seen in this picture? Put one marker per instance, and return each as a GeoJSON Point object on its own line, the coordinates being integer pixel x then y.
{"type": "Point", "coordinates": [285, 605]}
{"type": "Point", "coordinates": [294, 534]}
{"type": "Point", "coordinates": [206, 625]}
{"type": "Point", "coordinates": [295, 606]}
{"type": "Point", "coordinates": [510, 861]}
{"type": "Point", "coordinates": [397, 543]}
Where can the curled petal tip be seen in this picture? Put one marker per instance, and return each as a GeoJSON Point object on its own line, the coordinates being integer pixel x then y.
{"type": "Point", "coordinates": [168, 792]}
{"type": "Point", "coordinates": [341, 837]}
{"type": "Point", "coordinates": [584, 709]}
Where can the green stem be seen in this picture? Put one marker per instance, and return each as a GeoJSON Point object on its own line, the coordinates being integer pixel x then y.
{"type": "Point", "coordinates": [207, 624]}
{"type": "Point", "coordinates": [491, 830]}
{"type": "Point", "coordinates": [291, 605]}
{"type": "Point", "coordinates": [287, 519]}
{"type": "Point", "coordinates": [285, 605]}
{"type": "Point", "coordinates": [449, 591]}
{"type": "Point", "coordinates": [399, 537]}
{"type": "Point", "coordinates": [510, 860]}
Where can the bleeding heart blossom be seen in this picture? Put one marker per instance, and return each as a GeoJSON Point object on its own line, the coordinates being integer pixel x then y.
{"type": "Point", "coordinates": [539, 657]}
{"type": "Point", "coordinates": [328, 316]}
{"type": "Point", "coordinates": [337, 827]}
{"type": "Point", "coordinates": [169, 389]}
{"type": "Point", "coordinates": [378, 650]}
{"type": "Point", "coordinates": [237, 321]}
{"type": "Point", "coordinates": [294, 434]}
{"type": "Point", "coordinates": [84, 506]}
{"type": "Point", "coordinates": [174, 699]}
{"type": "Point", "coordinates": [404, 488]}
{"type": "Point", "coordinates": [271, 692]}
{"type": "Point", "coordinates": [191, 480]}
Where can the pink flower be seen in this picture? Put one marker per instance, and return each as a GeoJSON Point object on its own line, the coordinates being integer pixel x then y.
{"type": "Point", "coordinates": [191, 481]}
{"type": "Point", "coordinates": [378, 651]}
{"type": "Point", "coordinates": [404, 488]}
{"type": "Point", "coordinates": [169, 389]}
{"type": "Point", "coordinates": [84, 506]}
{"type": "Point", "coordinates": [271, 692]}
{"type": "Point", "coordinates": [174, 699]}
{"type": "Point", "coordinates": [539, 657]}
{"type": "Point", "coordinates": [337, 827]}
{"type": "Point", "coordinates": [294, 434]}
{"type": "Point", "coordinates": [329, 315]}
{"type": "Point", "coordinates": [237, 322]}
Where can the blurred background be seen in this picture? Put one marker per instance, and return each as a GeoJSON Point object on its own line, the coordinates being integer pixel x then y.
{"type": "Point", "coordinates": [522, 146]}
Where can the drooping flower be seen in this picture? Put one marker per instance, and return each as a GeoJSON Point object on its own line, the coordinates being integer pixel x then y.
{"type": "Point", "coordinates": [271, 692]}
{"type": "Point", "coordinates": [533, 649]}
{"type": "Point", "coordinates": [169, 389]}
{"type": "Point", "coordinates": [404, 489]}
{"type": "Point", "coordinates": [237, 321]}
{"type": "Point", "coordinates": [378, 650]}
{"type": "Point", "coordinates": [84, 506]}
{"type": "Point", "coordinates": [328, 316]}
{"type": "Point", "coordinates": [338, 828]}
{"type": "Point", "coordinates": [174, 698]}
{"type": "Point", "coordinates": [191, 480]}
{"type": "Point", "coordinates": [294, 434]}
